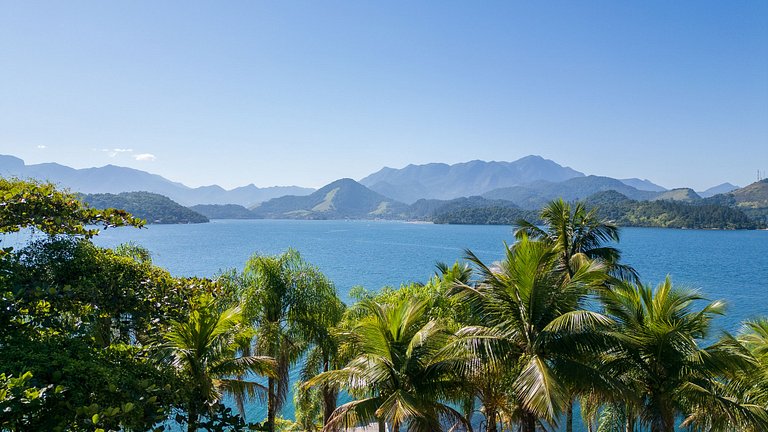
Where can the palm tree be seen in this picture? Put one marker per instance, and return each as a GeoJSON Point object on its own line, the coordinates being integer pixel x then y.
{"type": "Point", "coordinates": [404, 371]}
{"type": "Point", "coordinates": [285, 299]}
{"type": "Point", "coordinates": [737, 400]}
{"type": "Point", "coordinates": [532, 323]}
{"type": "Point", "coordinates": [205, 349]}
{"type": "Point", "coordinates": [660, 356]}
{"type": "Point", "coordinates": [324, 352]}
{"type": "Point", "coordinates": [576, 231]}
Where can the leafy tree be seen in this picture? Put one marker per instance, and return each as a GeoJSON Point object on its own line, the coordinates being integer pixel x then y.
{"type": "Point", "coordinates": [32, 204]}
{"type": "Point", "coordinates": [404, 370]}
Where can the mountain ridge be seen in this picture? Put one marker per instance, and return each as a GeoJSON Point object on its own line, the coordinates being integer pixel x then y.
{"type": "Point", "coordinates": [116, 179]}
{"type": "Point", "coordinates": [475, 177]}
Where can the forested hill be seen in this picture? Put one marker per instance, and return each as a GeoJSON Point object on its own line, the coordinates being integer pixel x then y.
{"type": "Point", "coordinates": [618, 209]}
{"type": "Point", "coordinates": [623, 211]}
{"type": "Point", "coordinates": [224, 211]}
{"type": "Point", "coordinates": [152, 207]}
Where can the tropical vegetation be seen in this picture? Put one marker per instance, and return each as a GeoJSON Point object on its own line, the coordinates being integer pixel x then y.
{"type": "Point", "coordinates": [97, 339]}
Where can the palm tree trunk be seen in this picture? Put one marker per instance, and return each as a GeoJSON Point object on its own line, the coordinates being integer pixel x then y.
{"type": "Point", "coordinates": [329, 396]}
{"type": "Point", "coordinates": [271, 403]}
{"type": "Point", "coordinates": [629, 424]}
{"type": "Point", "coordinates": [491, 419]}
{"type": "Point", "coordinates": [529, 423]}
{"type": "Point", "coordinates": [382, 425]}
{"type": "Point", "coordinates": [569, 417]}
{"type": "Point", "coordinates": [192, 420]}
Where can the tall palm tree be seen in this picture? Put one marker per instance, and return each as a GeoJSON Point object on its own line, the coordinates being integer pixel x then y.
{"type": "Point", "coordinates": [660, 353]}
{"type": "Point", "coordinates": [324, 354]}
{"type": "Point", "coordinates": [403, 374]}
{"type": "Point", "coordinates": [206, 350]}
{"type": "Point", "coordinates": [531, 322]}
{"type": "Point", "coordinates": [576, 231]}
{"type": "Point", "coordinates": [285, 299]}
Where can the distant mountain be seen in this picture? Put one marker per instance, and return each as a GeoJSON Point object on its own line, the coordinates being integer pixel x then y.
{"type": "Point", "coordinates": [115, 179]}
{"type": "Point", "coordinates": [535, 195]}
{"type": "Point", "coordinates": [679, 194]}
{"type": "Point", "coordinates": [751, 199]}
{"type": "Point", "coordinates": [721, 188]}
{"type": "Point", "coordinates": [224, 211]}
{"type": "Point", "coordinates": [643, 184]}
{"type": "Point", "coordinates": [344, 198]}
{"type": "Point", "coordinates": [443, 181]}
{"type": "Point", "coordinates": [152, 207]}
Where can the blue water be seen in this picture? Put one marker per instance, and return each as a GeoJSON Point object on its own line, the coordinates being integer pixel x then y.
{"type": "Point", "coordinates": [730, 265]}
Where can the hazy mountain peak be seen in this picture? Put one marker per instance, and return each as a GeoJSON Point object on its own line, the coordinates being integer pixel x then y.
{"type": "Point", "coordinates": [475, 177]}
{"type": "Point", "coordinates": [643, 184]}
{"type": "Point", "coordinates": [719, 189]}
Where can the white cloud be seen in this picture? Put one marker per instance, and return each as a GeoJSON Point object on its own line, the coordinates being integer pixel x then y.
{"type": "Point", "coordinates": [116, 151]}
{"type": "Point", "coordinates": [145, 157]}
{"type": "Point", "coordinates": [42, 147]}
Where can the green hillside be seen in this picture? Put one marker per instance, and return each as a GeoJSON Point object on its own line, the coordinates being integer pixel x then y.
{"type": "Point", "coordinates": [342, 199]}
{"type": "Point", "coordinates": [751, 199]}
{"type": "Point", "coordinates": [152, 207]}
{"type": "Point", "coordinates": [680, 194]}
{"type": "Point", "coordinates": [668, 214]}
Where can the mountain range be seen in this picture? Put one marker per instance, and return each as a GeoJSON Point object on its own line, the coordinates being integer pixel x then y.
{"type": "Point", "coordinates": [115, 179]}
{"type": "Point", "coordinates": [528, 183]}
{"type": "Point", "coordinates": [678, 208]}
{"type": "Point", "coordinates": [442, 181]}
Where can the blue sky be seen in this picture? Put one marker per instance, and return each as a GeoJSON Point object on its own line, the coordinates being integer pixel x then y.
{"type": "Point", "coordinates": [296, 92]}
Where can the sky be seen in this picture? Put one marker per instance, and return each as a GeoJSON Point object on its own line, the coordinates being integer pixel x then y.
{"type": "Point", "coordinates": [306, 92]}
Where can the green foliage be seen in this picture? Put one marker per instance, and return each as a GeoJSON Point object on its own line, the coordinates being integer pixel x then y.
{"type": "Point", "coordinates": [292, 305]}
{"type": "Point", "coordinates": [206, 349]}
{"type": "Point", "coordinates": [659, 355]}
{"type": "Point", "coordinates": [120, 383]}
{"type": "Point", "coordinates": [32, 204]}
{"type": "Point", "coordinates": [403, 371]}
{"type": "Point", "coordinates": [533, 327]}
{"type": "Point", "coordinates": [152, 207]}
{"type": "Point", "coordinates": [20, 401]}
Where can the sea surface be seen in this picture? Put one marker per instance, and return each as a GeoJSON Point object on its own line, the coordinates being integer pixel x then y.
{"type": "Point", "coordinates": [730, 265]}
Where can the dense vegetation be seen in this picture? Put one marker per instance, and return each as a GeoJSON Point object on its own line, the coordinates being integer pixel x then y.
{"type": "Point", "coordinates": [152, 207]}
{"type": "Point", "coordinates": [622, 211]}
{"type": "Point", "coordinates": [103, 340]}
